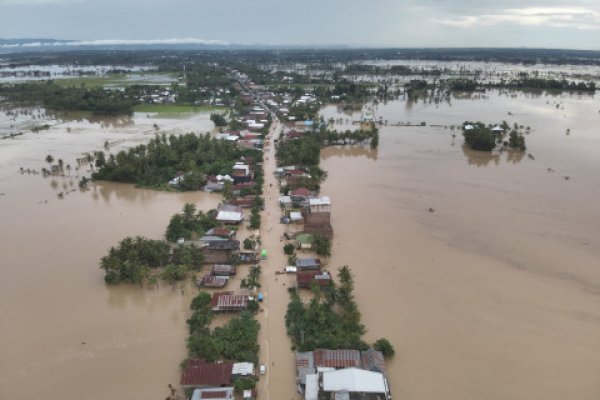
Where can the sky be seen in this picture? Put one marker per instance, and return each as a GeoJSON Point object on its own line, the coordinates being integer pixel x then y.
{"type": "Point", "coordinates": [359, 23]}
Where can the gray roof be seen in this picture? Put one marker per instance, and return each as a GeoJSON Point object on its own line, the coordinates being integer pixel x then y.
{"type": "Point", "coordinates": [305, 365]}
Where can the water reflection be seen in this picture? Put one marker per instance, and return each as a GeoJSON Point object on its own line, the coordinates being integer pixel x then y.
{"type": "Point", "coordinates": [484, 158]}
{"type": "Point", "coordinates": [349, 151]}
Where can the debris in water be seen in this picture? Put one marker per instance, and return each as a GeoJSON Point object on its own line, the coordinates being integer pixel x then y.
{"type": "Point", "coordinates": [431, 210]}
{"type": "Point", "coordinates": [567, 178]}
{"type": "Point", "coordinates": [531, 156]}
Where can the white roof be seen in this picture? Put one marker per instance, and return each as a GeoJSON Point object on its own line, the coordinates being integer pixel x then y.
{"type": "Point", "coordinates": [497, 128]}
{"type": "Point", "coordinates": [285, 199]}
{"type": "Point", "coordinates": [311, 391]}
{"type": "Point", "coordinates": [243, 368]}
{"type": "Point", "coordinates": [320, 201]}
{"type": "Point", "coordinates": [468, 127]}
{"type": "Point", "coordinates": [290, 268]}
{"type": "Point", "coordinates": [230, 216]}
{"type": "Point", "coordinates": [354, 380]}
{"type": "Point", "coordinates": [296, 216]}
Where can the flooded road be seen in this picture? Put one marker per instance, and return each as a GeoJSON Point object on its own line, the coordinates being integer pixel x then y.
{"type": "Point", "coordinates": [65, 334]}
{"type": "Point", "coordinates": [495, 292]}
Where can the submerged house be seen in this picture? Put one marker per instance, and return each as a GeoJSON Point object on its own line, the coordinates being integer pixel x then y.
{"type": "Point", "coordinates": [308, 264]}
{"type": "Point", "coordinates": [214, 281]}
{"type": "Point", "coordinates": [305, 279]}
{"type": "Point", "coordinates": [221, 251]}
{"type": "Point", "coordinates": [223, 270]}
{"type": "Point", "coordinates": [215, 393]}
{"type": "Point", "coordinates": [198, 373]}
{"type": "Point", "coordinates": [342, 375]}
{"type": "Point", "coordinates": [229, 214]}
{"type": "Point", "coordinates": [228, 301]}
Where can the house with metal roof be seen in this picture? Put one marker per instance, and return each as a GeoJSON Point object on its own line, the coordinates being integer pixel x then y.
{"type": "Point", "coordinates": [213, 281]}
{"type": "Point", "coordinates": [319, 204]}
{"type": "Point", "coordinates": [220, 393]}
{"type": "Point", "coordinates": [199, 373]}
{"type": "Point", "coordinates": [228, 301]}
{"type": "Point", "coordinates": [356, 381]}
{"type": "Point", "coordinates": [243, 369]}
{"type": "Point", "coordinates": [308, 263]}
{"type": "Point", "coordinates": [305, 279]}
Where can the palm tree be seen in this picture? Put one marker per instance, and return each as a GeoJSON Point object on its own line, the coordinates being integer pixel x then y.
{"type": "Point", "coordinates": [49, 159]}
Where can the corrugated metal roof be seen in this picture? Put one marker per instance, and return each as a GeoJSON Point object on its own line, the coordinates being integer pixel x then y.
{"type": "Point", "coordinates": [213, 394]}
{"type": "Point", "coordinates": [337, 358]}
{"type": "Point", "coordinates": [197, 372]}
{"type": "Point", "coordinates": [243, 368]}
{"type": "Point", "coordinates": [311, 390]}
{"type": "Point", "coordinates": [354, 380]}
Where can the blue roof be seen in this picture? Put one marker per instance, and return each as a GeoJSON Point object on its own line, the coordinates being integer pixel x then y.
{"type": "Point", "coordinates": [309, 123]}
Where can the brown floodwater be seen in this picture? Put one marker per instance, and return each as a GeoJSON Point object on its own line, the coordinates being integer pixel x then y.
{"type": "Point", "coordinates": [494, 293]}
{"type": "Point", "coordinates": [65, 334]}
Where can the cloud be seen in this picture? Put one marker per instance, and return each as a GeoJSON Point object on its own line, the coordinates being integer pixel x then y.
{"type": "Point", "coordinates": [36, 2]}
{"type": "Point", "coordinates": [556, 17]}
{"type": "Point", "coordinates": [118, 42]}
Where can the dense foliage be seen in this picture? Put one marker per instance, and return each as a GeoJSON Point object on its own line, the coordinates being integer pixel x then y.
{"type": "Point", "coordinates": [55, 97]}
{"type": "Point", "coordinates": [322, 245]}
{"type": "Point", "coordinates": [130, 260]}
{"type": "Point", "coordinates": [385, 347]}
{"type": "Point", "coordinates": [237, 340]}
{"type": "Point", "coordinates": [302, 151]}
{"type": "Point", "coordinates": [480, 137]}
{"type": "Point", "coordinates": [190, 223]}
{"type": "Point", "coordinates": [517, 140]}
{"type": "Point", "coordinates": [330, 321]}
{"type": "Point", "coordinates": [164, 157]}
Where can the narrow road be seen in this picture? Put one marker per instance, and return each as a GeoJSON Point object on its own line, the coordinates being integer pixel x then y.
{"type": "Point", "coordinates": [279, 383]}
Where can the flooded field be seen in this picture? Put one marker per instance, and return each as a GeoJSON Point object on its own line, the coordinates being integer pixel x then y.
{"type": "Point", "coordinates": [65, 333]}
{"type": "Point", "coordinates": [482, 269]}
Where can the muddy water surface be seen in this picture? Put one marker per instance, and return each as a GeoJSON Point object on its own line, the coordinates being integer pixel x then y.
{"type": "Point", "coordinates": [495, 292]}
{"type": "Point", "coordinates": [65, 334]}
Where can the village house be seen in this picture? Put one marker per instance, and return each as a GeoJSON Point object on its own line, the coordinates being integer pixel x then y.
{"type": "Point", "coordinates": [220, 252]}
{"type": "Point", "coordinates": [200, 374]}
{"type": "Point", "coordinates": [305, 279]}
{"type": "Point", "coordinates": [319, 204]}
{"type": "Point", "coordinates": [303, 264]}
{"type": "Point", "coordinates": [228, 301]}
{"type": "Point", "coordinates": [300, 194]}
{"type": "Point", "coordinates": [223, 270]}
{"type": "Point", "coordinates": [342, 374]}
{"type": "Point", "coordinates": [221, 393]}
{"type": "Point", "coordinates": [213, 281]}
{"type": "Point", "coordinates": [229, 214]}
{"type": "Point", "coordinates": [222, 232]}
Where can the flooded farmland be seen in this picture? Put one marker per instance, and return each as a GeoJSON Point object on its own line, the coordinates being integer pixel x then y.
{"type": "Point", "coordinates": [482, 269]}
{"type": "Point", "coordinates": [70, 335]}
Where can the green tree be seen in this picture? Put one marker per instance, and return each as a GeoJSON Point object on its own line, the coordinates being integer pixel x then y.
{"type": "Point", "coordinates": [384, 346]}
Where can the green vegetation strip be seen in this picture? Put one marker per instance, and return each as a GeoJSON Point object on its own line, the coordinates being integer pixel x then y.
{"type": "Point", "coordinates": [174, 108]}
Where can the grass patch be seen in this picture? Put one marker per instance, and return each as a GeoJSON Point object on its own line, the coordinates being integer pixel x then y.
{"type": "Point", "coordinates": [116, 80]}
{"type": "Point", "coordinates": [174, 108]}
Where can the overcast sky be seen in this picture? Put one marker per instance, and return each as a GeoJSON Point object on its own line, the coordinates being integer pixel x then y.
{"type": "Point", "coordinates": [374, 23]}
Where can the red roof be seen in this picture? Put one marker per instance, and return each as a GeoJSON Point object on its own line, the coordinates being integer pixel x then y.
{"type": "Point", "coordinates": [337, 358]}
{"type": "Point", "coordinates": [197, 372]}
{"type": "Point", "coordinates": [306, 278]}
{"type": "Point", "coordinates": [295, 172]}
{"type": "Point", "coordinates": [301, 192]}
{"type": "Point", "coordinates": [221, 232]}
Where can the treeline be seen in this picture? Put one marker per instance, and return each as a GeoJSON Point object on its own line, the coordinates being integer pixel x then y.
{"type": "Point", "coordinates": [237, 340]}
{"type": "Point", "coordinates": [190, 155]}
{"type": "Point", "coordinates": [481, 137]}
{"type": "Point", "coordinates": [330, 320]}
{"type": "Point", "coordinates": [133, 260]}
{"type": "Point", "coordinates": [548, 84]}
{"type": "Point", "coordinates": [58, 98]}
{"type": "Point", "coordinates": [190, 223]}
{"type": "Point", "coordinates": [330, 137]}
